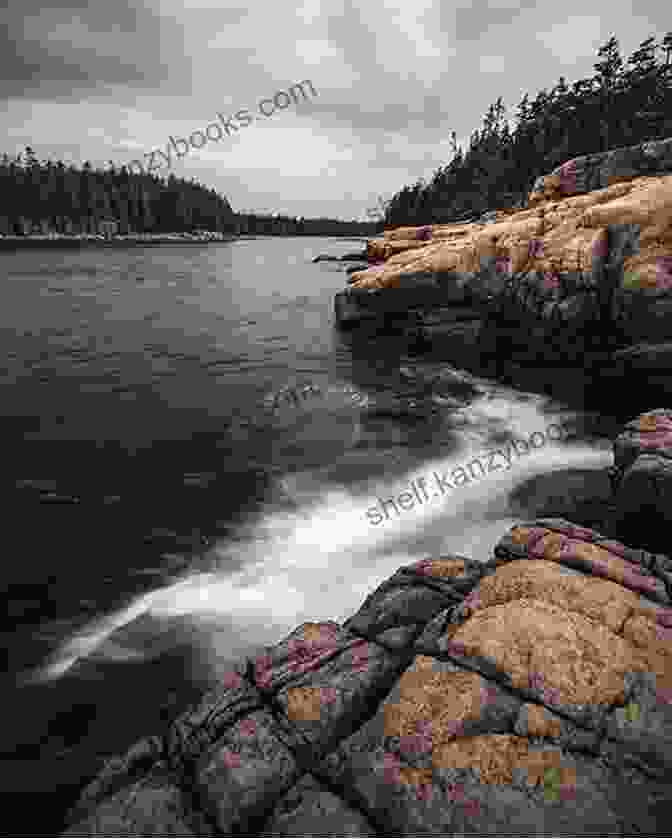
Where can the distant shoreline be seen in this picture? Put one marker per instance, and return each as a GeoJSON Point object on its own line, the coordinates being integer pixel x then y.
{"type": "Point", "coordinates": [10, 243]}
{"type": "Point", "coordinates": [21, 242]}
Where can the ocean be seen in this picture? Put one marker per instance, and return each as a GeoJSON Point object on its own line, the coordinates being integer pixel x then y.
{"type": "Point", "coordinates": [191, 456]}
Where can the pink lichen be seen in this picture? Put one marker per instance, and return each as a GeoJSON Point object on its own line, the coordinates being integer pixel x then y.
{"type": "Point", "coordinates": [664, 617]}
{"type": "Point", "coordinates": [391, 768]}
{"type": "Point", "coordinates": [424, 566]}
{"type": "Point", "coordinates": [534, 537]}
{"type": "Point", "coordinates": [551, 281]}
{"type": "Point", "coordinates": [568, 177]}
{"type": "Point", "coordinates": [455, 647]}
{"type": "Point", "coordinates": [328, 694]}
{"type": "Point", "coordinates": [248, 728]}
{"type": "Point", "coordinates": [549, 694]}
{"type": "Point", "coordinates": [473, 599]}
{"type": "Point", "coordinates": [614, 548]}
{"type": "Point", "coordinates": [664, 633]}
{"type": "Point", "coordinates": [601, 246]}
{"type": "Point", "coordinates": [664, 272]}
{"type": "Point", "coordinates": [536, 248]}
{"type": "Point", "coordinates": [423, 792]}
{"type": "Point", "coordinates": [455, 792]}
{"type": "Point", "coordinates": [230, 759]}
{"type": "Point", "coordinates": [361, 654]}
{"type": "Point", "coordinates": [503, 265]}
{"type": "Point", "coordinates": [472, 807]}
{"type": "Point", "coordinates": [231, 680]}
{"type": "Point", "coordinates": [488, 694]}
{"type": "Point", "coordinates": [263, 669]}
{"type": "Point", "coordinates": [664, 696]}
{"type": "Point", "coordinates": [455, 727]}
{"type": "Point", "coordinates": [576, 532]}
{"type": "Point", "coordinates": [567, 792]}
{"type": "Point", "coordinates": [655, 440]}
{"type": "Point", "coordinates": [634, 579]}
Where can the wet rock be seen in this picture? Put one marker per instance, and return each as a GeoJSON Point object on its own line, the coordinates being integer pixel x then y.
{"type": "Point", "coordinates": [310, 809]}
{"type": "Point", "coordinates": [152, 806]}
{"type": "Point", "coordinates": [118, 773]}
{"type": "Point", "coordinates": [395, 614]}
{"type": "Point", "coordinates": [351, 269]}
{"type": "Point", "coordinates": [199, 727]}
{"type": "Point", "coordinates": [642, 478]}
{"type": "Point", "coordinates": [240, 779]}
{"type": "Point", "coordinates": [527, 695]}
{"type": "Point", "coordinates": [582, 495]}
{"type": "Point", "coordinates": [348, 257]}
{"type": "Point", "coordinates": [325, 681]}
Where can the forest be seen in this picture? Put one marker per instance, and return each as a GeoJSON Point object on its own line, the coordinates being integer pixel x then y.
{"type": "Point", "coordinates": [622, 104]}
{"type": "Point", "coordinates": [46, 197]}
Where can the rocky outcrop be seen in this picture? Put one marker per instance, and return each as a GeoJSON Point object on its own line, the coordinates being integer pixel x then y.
{"type": "Point", "coordinates": [642, 479]}
{"type": "Point", "coordinates": [584, 271]}
{"type": "Point", "coordinates": [597, 171]}
{"type": "Point", "coordinates": [528, 695]}
{"type": "Point", "coordinates": [347, 257]}
{"type": "Point", "coordinates": [555, 236]}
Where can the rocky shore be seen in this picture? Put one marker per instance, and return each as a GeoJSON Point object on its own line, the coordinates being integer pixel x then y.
{"type": "Point", "coordinates": [527, 695]}
{"type": "Point", "coordinates": [580, 279]}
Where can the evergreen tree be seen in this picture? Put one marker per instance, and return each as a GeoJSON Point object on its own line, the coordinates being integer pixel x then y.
{"type": "Point", "coordinates": [618, 106]}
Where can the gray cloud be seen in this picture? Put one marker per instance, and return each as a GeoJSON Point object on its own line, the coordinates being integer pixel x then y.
{"type": "Point", "coordinates": [110, 79]}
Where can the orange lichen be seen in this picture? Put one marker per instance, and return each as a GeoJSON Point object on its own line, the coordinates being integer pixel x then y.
{"type": "Point", "coordinates": [577, 659]}
{"type": "Point", "coordinates": [441, 567]}
{"type": "Point", "coordinates": [648, 423]}
{"type": "Point", "coordinates": [540, 723]}
{"type": "Point", "coordinates": [496, 756]}
{"type": "Point", "coordinates": [434, 704]}
{"type": "Point", "coordinates": [600, 600]}
{"type": "Point", "coordinates": [304, 704]}
{"type": "Point", "coordinates": [560, 234]}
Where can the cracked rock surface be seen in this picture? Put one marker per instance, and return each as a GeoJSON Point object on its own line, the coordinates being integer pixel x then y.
{"type": "Point", "coordinates": [529, 695]}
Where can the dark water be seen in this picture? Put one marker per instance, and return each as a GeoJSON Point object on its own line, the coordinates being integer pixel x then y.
{"type": "Point", "coordinates": [161, 518]}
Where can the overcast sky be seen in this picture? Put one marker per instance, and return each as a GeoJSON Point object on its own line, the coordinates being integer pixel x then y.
{"type": "Point", "coordinates": [113, 79]}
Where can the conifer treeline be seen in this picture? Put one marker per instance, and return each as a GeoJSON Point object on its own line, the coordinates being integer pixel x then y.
{"type": "Point", "coordinates": [52, 197]}
{"type": "Point", "coordinates": [47, 197]}
{"type": "Point", "coordinates": [279, 225]}
{"type": "Point", "coordinates": [623, 104]}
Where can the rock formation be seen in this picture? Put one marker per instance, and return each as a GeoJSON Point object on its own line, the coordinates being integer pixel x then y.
{"type": "Point", "coordinates": [562, 231]}
{"type": "Point", "coordinates": [529, 695]}
{"type": "Point", "coordinates": [581, 278]}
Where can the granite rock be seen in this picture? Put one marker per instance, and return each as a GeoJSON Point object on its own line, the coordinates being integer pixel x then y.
{"type": "Point", "coordinates": [527, 695]}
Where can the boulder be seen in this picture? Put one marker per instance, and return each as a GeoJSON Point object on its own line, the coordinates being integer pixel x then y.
{"type": "Point", "coordinates": [586, 267]}
{"type": "Point", "coordinates": [526, 694]}
{"type": "Point", "coordinates": [642, 479]}
{"type": "Point", "coordinates": [530, 694]}
{"type": "Point", "coordinates": [597, 171]}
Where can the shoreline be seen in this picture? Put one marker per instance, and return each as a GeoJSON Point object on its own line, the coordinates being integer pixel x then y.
{"type": "Point", "coordinates": [11, 243]}
{"type": "Point", "coordinates": [28, 242]}
{"type": "Point", "coordinates": [303, 727]}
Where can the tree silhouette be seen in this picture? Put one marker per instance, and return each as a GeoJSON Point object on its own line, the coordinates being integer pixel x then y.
{"type": "Point", "coordinates": [622, 104]}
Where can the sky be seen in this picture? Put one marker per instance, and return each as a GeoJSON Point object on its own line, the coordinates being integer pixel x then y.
{"type": "Point", "coordinates": [113, 80]}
